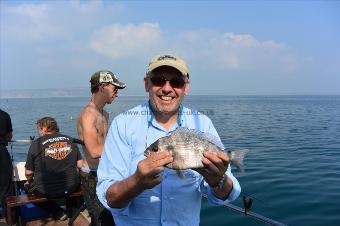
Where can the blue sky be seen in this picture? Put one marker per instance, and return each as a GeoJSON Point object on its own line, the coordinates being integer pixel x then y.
{"type": "Point", "coordinates": [231, 47]}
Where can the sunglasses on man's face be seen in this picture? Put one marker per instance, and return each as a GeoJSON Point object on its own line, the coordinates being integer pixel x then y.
{"type": "Point", "coordinates": [115, 89]}
{"type": "Point", "coordinates": [177, 82]}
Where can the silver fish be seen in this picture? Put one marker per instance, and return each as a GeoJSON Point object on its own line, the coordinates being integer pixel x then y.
{"type": "Point", "coordinates": [187, 146]}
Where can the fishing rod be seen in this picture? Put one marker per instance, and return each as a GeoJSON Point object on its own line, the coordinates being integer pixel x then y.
{"type": "Point", "coordinates": [247, 203]}
{"type": "Point", "coordinates": [23, 141]}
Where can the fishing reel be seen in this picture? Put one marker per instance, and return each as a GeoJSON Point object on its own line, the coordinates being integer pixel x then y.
{"type": "Point", "coordinates": [247, 203]}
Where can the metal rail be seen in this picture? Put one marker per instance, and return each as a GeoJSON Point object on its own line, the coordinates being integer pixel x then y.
{"type": "Point", "coordinates": [74, 140]}
{"type": "Point", "coordinates": [21, 141]}
{"type": "Point", "coordinates": [246, 211]}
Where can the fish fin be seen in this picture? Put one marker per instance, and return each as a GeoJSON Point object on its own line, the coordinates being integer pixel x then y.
{"type": "Point", "coordinates": [180, 174]}
{"type": "Point", "coordinates": [236, 158]}
{"type": "Point", "coordinates": [200, 135]}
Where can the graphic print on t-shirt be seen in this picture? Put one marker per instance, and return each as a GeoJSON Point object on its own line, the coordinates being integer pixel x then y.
{"type": "Point", "coordinates": [58, 150]}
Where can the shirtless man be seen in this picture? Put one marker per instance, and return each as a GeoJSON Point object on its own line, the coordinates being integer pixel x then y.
{"type": "Point", "coordinates": [92, 127]}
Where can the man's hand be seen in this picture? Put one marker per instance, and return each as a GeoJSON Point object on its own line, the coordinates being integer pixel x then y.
{"type": "Point", "coordinates": [148, 170]}
{"type": "Point", "coordinates": [215, 166]}
{"type": "Point", "coordinates": [146, 176]}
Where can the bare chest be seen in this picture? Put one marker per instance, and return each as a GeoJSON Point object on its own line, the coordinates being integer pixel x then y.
{"type": "Point", "coordinates": [101, 125]}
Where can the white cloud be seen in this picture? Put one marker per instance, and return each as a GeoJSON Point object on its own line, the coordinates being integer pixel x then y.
{"type": "Point", "coordinates": [246, 40]}
{"type": "Point", "coordinates": [233, 51]}
{"type": "Point", "coordinates": [85, 7]}
{"type": "Point", "coordinates": [120, 40]}
{"type": "Point", "coordinates": [234, 40]}
{"type": "Point", "coordinates": [27, 22]}
{"type": "Point", "coordinates": [51, 22]}
{"type": "Point", "coordinates": [33, 11]}
{"type": "Point", "coordinates": [273, 45]}
{"type": "Point", "coordinates": [232, 62]}
{"type": "Point", "coordinates": [290, 63]}
{"type": "Point", "coordinates": [69, 37]}
{"type": "Point", "coordinates": [54, 20]}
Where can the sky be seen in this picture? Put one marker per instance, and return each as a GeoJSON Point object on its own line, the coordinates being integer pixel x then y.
{"type": "Point", "coordinates": [231, 47]}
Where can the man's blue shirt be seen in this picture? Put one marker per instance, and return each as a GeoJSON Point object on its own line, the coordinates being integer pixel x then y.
{"type": "Point", "coordinates": [176, 201]}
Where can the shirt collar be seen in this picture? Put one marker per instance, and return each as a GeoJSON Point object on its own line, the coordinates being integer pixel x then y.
{"type": "Point", "coordinates": [151, 116]}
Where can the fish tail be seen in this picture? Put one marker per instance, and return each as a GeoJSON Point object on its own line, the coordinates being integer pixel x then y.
{"type": "Point", "coordinates": [236, 158]}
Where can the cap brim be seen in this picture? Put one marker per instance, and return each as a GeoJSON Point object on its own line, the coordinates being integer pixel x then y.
{"type": "Point", "coordinates": [119, 85]}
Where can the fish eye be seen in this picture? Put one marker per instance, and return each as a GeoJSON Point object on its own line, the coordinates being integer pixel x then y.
{"type": "Point", "coordinates": [154, 149]}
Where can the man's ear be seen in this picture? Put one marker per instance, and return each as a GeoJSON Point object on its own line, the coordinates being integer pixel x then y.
{"type": "Point", "coordinates": [146, 84]}
{"type": "Point", "coordinates": [186, 88]}
{"type": "Point", "coordinates": [101, 87]}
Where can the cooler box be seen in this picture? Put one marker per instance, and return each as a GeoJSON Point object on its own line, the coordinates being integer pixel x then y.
{"type": "Point", "coordinates": [30, 211]}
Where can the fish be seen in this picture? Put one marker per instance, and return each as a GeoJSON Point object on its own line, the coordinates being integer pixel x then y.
{"type": "Point", "coordinates": [187, 146]}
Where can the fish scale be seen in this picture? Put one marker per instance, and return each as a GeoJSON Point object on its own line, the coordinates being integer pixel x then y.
{"type": "Point", "coordinates": [187, 147]}
{"type": "Point", "coordinates": [189, 159]}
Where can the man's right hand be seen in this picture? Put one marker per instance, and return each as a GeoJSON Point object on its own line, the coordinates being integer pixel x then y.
{"type": "Point", "coordinates": [148, 170]}
{"type": "Point", "coordinates": [146, 176]}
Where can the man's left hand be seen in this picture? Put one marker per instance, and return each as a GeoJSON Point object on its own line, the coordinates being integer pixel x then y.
{"type": "Point", "coordinates": [215, 166]}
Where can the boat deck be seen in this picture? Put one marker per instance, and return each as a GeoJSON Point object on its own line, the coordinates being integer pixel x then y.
{"type": "Point", "coordinates": [82, 220]}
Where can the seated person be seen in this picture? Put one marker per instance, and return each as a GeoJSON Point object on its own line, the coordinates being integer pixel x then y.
{"type": "Point", "coordinates": [52, 165]}
{"type": "Point", "coordinates": [6, 169]}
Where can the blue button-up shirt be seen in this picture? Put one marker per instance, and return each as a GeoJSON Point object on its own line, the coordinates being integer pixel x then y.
{"type": "Point", "coordinates": [175, 201]}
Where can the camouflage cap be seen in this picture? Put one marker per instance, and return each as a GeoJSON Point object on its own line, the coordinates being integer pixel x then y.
{"type": "Point", "coordinates": [104, 76]}
{"type": "Point", "coordinates": [168, 59]}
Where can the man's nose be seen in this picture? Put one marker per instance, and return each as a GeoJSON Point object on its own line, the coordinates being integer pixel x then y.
{"type": "Point", "coordinates": [167, 86]}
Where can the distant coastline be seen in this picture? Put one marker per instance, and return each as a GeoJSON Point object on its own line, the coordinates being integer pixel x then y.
{"type": "Point", "coordinates": [85, 92]}
{"type": "Point", "coordinates": [43, 93]}
{"type": "Point", "coordinates": [48, 93]}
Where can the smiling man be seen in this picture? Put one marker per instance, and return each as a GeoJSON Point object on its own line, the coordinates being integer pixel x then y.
{"type": "Point", "coordinates": [141, 191]}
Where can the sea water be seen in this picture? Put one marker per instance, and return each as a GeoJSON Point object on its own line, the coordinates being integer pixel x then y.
{"type": "Point", "coordinates": [292, 170]}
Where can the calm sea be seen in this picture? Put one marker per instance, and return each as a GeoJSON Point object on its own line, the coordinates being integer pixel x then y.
{"type": "Point", "coordinates": [292, 170]}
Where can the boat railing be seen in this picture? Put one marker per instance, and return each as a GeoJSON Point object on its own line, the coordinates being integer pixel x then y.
{"type": "Point", "coordinates": [19, 175]}
{"type": "Point", "coordinates": [247, 202]}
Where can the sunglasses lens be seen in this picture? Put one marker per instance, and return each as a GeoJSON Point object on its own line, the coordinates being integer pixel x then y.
{"type": "Point", "coordinates": [175, 82]}
{"type": "Point", "coordinates": [158, 81]}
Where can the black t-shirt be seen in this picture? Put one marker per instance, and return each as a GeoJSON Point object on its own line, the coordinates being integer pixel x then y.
{"type": "Point", "coordinates": [5, 127]}
{"type": "Point", "coordinates": [53, 160]}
